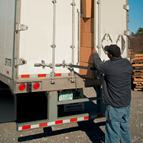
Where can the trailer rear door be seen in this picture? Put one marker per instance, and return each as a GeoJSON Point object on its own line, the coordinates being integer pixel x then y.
{"type": "Point", "coordinates": [112, 25]}
{"type": "Point", "coordinates": [50, 25]}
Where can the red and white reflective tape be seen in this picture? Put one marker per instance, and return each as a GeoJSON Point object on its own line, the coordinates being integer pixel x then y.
{"type": "Point", "coordinates": [42, 75]}
{"type": "Point", "coordinates": [47, 124]}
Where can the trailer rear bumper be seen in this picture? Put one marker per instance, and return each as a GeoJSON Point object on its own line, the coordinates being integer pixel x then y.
{"type": "Point", "coordinates": [59, 121]}
{"type": "Point", "coordinates": [53, 117]}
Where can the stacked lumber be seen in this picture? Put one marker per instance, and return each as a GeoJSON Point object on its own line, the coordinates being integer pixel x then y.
{"type": "Point", "coordinates": [137, 64]}
{"type": "Point", "coordinates": [131, 54]}
{"type": "Point", "coordinates": [87, 37]}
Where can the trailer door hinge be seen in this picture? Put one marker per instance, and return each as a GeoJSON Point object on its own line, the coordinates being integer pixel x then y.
{"type": "Point", "coordinates": [18, 62]}
{"type": "Point", "coordinates": [73, 4]}
{"type": "Point", "coordinates": [21, 27]}
{"type": "Point", "coordinates": [127, 33]}
{"type": "Point", "coordinates": [99, 1]}
{"type": "Point", "coordinates": [54, 1]}
{"type": "Point", "coordinates": [126, 7]}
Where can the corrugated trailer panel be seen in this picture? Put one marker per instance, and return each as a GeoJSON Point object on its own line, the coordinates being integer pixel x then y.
{"type": "Point", "coordinates": [7, 16]}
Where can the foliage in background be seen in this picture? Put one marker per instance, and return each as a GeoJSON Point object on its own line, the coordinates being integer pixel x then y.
{"type": "Point", "coordinates": [136, 41]}
{"type": "Point", "coordinates": [138, 33]}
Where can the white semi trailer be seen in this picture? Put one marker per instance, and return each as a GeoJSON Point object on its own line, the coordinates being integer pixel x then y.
{"type": "Point", "coordinates": [40, 52]}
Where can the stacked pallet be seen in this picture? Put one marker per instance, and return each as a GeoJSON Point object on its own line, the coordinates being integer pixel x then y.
{"type": "Point", "coordinates": [137, 63]}
{"type": "Point", "coordinates": [87, 37]}
{"type": "Point", "coordinates": [131, 54]}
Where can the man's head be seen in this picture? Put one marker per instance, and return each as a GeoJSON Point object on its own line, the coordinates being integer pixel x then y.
{"type": "Point", "coordinates": [113, 51]}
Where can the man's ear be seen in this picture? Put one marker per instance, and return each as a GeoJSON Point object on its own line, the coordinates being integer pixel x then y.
{"type": "Point", "coordinates": [110, 56]}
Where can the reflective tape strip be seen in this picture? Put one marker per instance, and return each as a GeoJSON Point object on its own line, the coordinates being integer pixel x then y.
{"type": "Point", "coordinates": [73, 120]}
{"type": "Point", "coordinates": [43, 124]}
{"type": "Point", "coordinates": [58, 74]}
{"type": "Point", "coordinates": [19, 128]}
{"type": "Point", "coordinates": [51, 123]}
{"type": "Point", "coordinates": [41, 75]}
{"type": "Point", "coordinates": [80, 119]}
{"type": "Point", "coordinates": [26, 127]}
{"type": "Point", "coordinates": [66, 121]}
{"type": "Point", "coordinates": [65, 74]}
{"type": "Point", "coordinates": [25, 76]}
{"type": "Point", "coordinates": [59, 122]}
{"type": "Point", "coordinates": [87, 118]}
{"type": "Point", "coordinates": [46, 124]}
{"type": "Point", "coordinates": [34, 126]}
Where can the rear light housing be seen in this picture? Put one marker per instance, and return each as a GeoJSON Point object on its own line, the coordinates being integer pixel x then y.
{"type": "Point", "coordinates": [22, 87]}
{"type": "Point", "coordinates": [36, 85]}
{"type": "Point", "coordinates": [29, 87]}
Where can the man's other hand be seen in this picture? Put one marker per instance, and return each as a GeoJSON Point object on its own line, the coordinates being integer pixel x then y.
{"type": "Point", "coordinates": [94, 51]}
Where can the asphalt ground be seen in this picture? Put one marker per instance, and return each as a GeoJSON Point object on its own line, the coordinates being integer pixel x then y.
{"type": "Point", "coordinates": [85, 132]}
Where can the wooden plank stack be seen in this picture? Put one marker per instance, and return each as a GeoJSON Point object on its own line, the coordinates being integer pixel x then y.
{"type": "Point", "coordinates": [131, 54]}
{"type": "Point", "coordinates": [87, 37]}
{"type": "Point", "coordinates": [137, 63]}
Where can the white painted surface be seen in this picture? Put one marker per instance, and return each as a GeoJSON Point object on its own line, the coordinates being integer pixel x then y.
{"type": "Point", "coordinates": [35, 43]}
{"type": "Point", "coordinates": [113, 23]}
{"type": "Point", "coordinates": [2, 32]}
{"type": "Point", "coordinates": [7, 16]}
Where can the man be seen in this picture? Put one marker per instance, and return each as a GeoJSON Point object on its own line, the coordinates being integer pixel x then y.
{"type": "Point", "coordinates": [116, 94]}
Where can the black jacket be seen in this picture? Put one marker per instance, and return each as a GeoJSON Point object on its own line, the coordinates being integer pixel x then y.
{"type": "Point", "coordinates": [117, 80]}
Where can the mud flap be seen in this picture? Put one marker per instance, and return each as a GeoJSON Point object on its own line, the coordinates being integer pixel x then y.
{"type": "Point", "coordinates": [7, 106]}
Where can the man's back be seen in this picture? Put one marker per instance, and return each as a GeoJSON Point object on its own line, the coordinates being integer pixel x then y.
{"type": "Point", "coordinates": [117, 81]}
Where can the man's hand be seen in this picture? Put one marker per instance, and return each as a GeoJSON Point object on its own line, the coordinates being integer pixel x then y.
{"type": "Point", "coordinates": [94, 51]}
